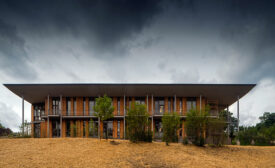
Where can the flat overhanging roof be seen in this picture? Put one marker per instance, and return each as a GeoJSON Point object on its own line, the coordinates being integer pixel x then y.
{"type": "Point", "coordinates": [226, 94]}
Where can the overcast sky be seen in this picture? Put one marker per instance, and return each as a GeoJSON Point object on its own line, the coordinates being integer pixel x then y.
{"type": "Point", "coordinates": [145, 41]}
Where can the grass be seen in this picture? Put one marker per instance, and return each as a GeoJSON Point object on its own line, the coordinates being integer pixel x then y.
{"type": "Point", "coordinates": [81, 152]}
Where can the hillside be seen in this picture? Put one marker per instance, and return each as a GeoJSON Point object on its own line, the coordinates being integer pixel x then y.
{"type": "Point", "coordinates": [78, 152]}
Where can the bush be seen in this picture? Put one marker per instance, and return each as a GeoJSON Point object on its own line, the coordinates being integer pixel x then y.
{"type": "Point", "coordinates": [171, 123]}
{"type": "Point", "coordinates": [137, 124]}
{"type": "Point", "coordinates": [196, 122]}
{"type": "Point", "coordinates": [185, 141]}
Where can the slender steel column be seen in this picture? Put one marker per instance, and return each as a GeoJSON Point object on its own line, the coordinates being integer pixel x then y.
{"type": "Point", "coordinates": [60, 112]}
{"type": "Point", "coordinates": [124, 122]}
{"type": "Point", "coordinates": [175, 103]}
{"type": "Point", "coordinates": [98, 130]}
{"type": "Point", "coordinates": [48, 125]}
{"type": "Point", "coordinates": [22, 115]}
{"type": "Point", "coordinates": [152, 113]}
{"type": "Point", "coordinates": [238, 114]}
{"type": "Point", "coordinates": [228, 123]}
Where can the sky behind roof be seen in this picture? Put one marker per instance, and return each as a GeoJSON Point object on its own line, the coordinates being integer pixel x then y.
{"type": "Point", "coordinates": [143, 41]}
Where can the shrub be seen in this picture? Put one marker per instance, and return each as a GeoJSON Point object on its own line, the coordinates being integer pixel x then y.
{"type": "Point", "coordinates": [137, 124]}
{"type": "Point", "coordinates": [171, 123]}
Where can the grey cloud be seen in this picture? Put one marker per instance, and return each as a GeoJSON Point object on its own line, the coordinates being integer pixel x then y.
{"type": "Point", "coordinates": [103, 24]}
{"type": "Point", "coordinates": [9, 118]}
{"type": "Point", "coordinates": [14, 60]}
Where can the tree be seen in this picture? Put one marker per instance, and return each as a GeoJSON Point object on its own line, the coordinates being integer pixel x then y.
{"type": "Point", "coordinates": [233, 123]}
{"type": "Point", "coordinates": [26, 127]}
{"type": "Point", "coordinates": [195, 125]}
{"type": "Point", "coordinates": [216, 129]}
{"type": "Point", "coordinates": [4, 131]}
{"type": "Point", "coordinates": [137, 124]}
{"type": "Point", "coordinates": [170, 123]}
{"type": "Point", "coordinates": [104, 110]}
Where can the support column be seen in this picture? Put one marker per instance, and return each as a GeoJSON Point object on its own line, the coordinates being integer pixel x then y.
{"type": "Point", "coordinates": [152, 113]}
{"type": "Point", "coordinates": [48, 125]}
{"type": "Point", "coordinates": [238, 114]}
{"type": "Point", "coordinates": [124, 122]}
{"type": "Point", "coordinates": [60, 113]}
{"type": "Point", "coordinates": [22, 115]}
{"type": "Point", "coordinates": [228, 123]}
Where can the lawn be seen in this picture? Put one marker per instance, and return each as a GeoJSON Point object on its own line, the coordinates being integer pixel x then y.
{"type": "Point", "coordinates": [78, 152]}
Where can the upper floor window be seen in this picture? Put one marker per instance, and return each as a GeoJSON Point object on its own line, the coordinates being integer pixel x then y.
{"type": "Point", "coordinates": [91, 105]}
{"type": "Point", "coordinates": [180, 105]}
{"type": "Point", "coordinates": [159, 105]}
{"type": "Point", "coordinates": [191, 103]}
{"type": "Point", "coordinates": [170, 101]}
{"type": "Point", "coordinates": [56, 104]}
{"type": "Point", "coordinates": [39, 110]}
{"type": "Point", "coordinates": [118, 106]}
{"type": "Point", "coordinates": [84, 105]}
{"type": "Point", "coordinates": [68, 106]}
{"type": "Point", "coordinates": [140, 100]}
{"type": "Point", "coordinates": [75, 106]}
{"type": "Point", "coordinates": [130, 103]}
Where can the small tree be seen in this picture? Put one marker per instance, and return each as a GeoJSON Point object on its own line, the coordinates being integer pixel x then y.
{"type": "Point", "coordinates": [104, 110]}
{"type": "Point", "coordinates": [137, 124]}
{"type": "Point", "coordinates": [216, 129]}
{"type": "Point", "coordinates": [170, 123]}
{"type": "Point", "coordinates": [74, 128]}
{"type": "Point", "coordinates": [196, 122]}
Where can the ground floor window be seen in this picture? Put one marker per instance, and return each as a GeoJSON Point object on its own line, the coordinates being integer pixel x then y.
{"type": "Point", "coordinates": [93, 128]}
{"type": "Point", "coordinates": [158, 129]}
{"type": "Point", "coordinates": [37, 130]}
{"type": "Point", "coordinates": [108, 127]}
{"type": "Point", "coordinates": [56, 128]}
{"type": "Point", "coordinates": [68, 128]}
{"type": "Point", "coordinates": [118, 129]}
{"type": "Point", "coordinates": [84, 128]}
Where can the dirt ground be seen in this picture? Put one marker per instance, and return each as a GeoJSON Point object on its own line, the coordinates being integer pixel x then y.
{"type": "Point", "coordinates": [81, 152]}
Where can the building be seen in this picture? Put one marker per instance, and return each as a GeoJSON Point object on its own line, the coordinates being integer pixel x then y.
{"type": "Point", "coordinates": [65, 110]}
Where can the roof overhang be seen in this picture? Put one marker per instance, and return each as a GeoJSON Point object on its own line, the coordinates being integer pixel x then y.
{"type": "Point", "coordinates": [226, 94]}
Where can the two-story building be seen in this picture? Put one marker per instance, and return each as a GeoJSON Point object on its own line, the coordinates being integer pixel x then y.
{"type": "Point", "coordinates": [64, 110]}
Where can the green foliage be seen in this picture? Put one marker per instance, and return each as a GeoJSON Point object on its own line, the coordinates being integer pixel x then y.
{"type": "Point", "coordinates": [261, 134]}
{"type": "Point", "coordinates": [170, 123]}
{"type": "Point", "coordinates": [74, 128]}
{"type": "Point", "coordinates": [185, 141]}
{"type": "Point", "coordinates": [216, 128]}
{"type": "Point", "coordinates": [137, 124]}
{"type": "Point", "coordinates": [5, 131]}
{"type": "Point", "coordinates": [103, 109]}
{"type": "Point", "coordinates": [233, 123]}
{"type": "Point", "coordinates": [196, 122]}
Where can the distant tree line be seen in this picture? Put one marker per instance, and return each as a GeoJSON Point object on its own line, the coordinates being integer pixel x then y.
{"type": "Point", "coordinates": [4, 131]}
{"type": "Point", "coordinates": [261, 134]}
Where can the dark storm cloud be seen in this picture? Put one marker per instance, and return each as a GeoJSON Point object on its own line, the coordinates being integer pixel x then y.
{"type": "Point", "coordinates": [104, 24]}
{"type": "Point", "coordinates": [13, 57]}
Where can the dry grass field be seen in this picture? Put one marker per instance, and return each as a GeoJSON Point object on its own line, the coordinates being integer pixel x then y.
{"type": "Point", "coordinates": [78, 152]}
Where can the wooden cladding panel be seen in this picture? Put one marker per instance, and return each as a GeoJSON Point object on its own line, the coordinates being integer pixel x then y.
{"type": "Point", "coordinates": [115, 129]}
{"type": "Point", "coordinates": [184, 106]}
{"type": "Point", "coordinates": [115, 105]}
{"type": "Point", "coordinates": [64, 106]}
{"type": "Point", "coordinates": [166, 105]}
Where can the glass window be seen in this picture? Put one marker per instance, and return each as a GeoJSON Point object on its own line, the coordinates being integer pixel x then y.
{"type": "Point", "coordinates": [56, 104]}
{"type": "Point", "coordinates": [84, 106]}
{"type": "Point", "coordinates": [68, 129]}
{"type": "Point", "coordinates": [74, 106]}
{"type": "Point", "coordinates": [68, 106]}
{"type": "Point", "coordinates": [91, 105]}
{"type": "Point", "coordinates": [159, 105]}
{"type": "Point", "coordinates": [118, 129]}
{"type": "Point", "coordinates": [39, 110]}
{"type": "Point", "coordinates": [84, 128]}
{"type": "Point", "coordinates": [118, 106]}
{"type": "Point", "coordinates": [180, 105]}
{"type": "Point", "coordinates": [191, 103]}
